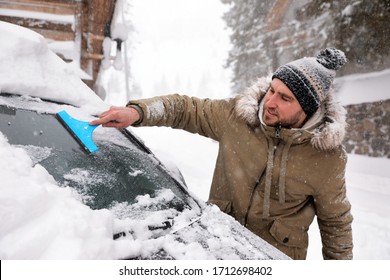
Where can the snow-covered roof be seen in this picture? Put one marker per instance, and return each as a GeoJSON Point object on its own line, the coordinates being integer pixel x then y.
{"type": "Point", "coordinates": [364, 88]}
{"type": "Point", "coordinates": [29, 67]}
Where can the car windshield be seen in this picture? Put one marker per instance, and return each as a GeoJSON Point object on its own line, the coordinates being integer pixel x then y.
{"type": "Point", "coordinates": [119, 172]}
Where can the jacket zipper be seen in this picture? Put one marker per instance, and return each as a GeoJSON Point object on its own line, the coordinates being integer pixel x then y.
{"type": "Point", "coordinates": [245, 222]}
{"type": "Point", "coordinates": [277, 131]}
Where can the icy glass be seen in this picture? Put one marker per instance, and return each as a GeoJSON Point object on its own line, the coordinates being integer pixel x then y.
{"type": "Point", "coordinates": [115, 173]}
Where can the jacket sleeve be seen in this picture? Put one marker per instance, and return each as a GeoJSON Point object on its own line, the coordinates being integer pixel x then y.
{"type": "Point", "coordinates": [203, 116]}
{"type": "Point", "coordinates": [334, 214]}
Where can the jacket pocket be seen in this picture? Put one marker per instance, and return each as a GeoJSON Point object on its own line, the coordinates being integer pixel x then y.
{"type": "Point", "coordinates": [224, 205]}
{"type": "Point", "coordinates": [289, 236]}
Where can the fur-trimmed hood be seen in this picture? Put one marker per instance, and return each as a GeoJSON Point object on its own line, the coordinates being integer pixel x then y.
{"type": "Point", "coordinates": [327, 126]}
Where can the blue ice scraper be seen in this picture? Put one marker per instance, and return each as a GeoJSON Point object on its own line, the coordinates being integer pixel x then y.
{"type": "Point", "coordinates": [80, 130]}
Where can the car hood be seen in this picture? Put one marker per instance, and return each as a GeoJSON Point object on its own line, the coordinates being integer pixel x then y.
{"type": "Point", "coordinates": [214, 235]}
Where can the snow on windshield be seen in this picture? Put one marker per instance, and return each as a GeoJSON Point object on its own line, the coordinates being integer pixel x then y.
{"type": "Point", "coordinates": [41, 220]}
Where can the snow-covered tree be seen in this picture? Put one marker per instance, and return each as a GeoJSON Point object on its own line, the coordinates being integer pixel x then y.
{"type": "Point", "coordinates": [360, 28]}
{"type": "Point", "coordinates": [246, 20]}
{"type": "Point", "coordinates": [266, 34]}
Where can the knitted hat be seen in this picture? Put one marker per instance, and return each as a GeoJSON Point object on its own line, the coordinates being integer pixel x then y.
{"type": "Point", "coordinates": [310, 78]}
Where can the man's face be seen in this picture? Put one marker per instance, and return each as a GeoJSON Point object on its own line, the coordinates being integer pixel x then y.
{"type": "Point", "coordinates": [281, 107]}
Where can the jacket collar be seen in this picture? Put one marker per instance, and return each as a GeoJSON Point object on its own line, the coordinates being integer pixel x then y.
{"type": "Point", "coordinates": [325, 129]}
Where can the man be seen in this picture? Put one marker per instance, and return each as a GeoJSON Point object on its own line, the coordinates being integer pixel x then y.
{"type": "Point", "coordinates": [280, 161]}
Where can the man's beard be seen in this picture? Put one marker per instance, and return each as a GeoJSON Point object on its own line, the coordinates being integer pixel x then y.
{"type": "Point", "coordinates": [286, 123]}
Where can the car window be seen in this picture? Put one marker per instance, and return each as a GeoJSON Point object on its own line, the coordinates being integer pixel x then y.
{"type": "Point", "coordinates": [118, 172]}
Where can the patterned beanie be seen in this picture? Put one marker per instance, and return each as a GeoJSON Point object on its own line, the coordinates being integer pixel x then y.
{"type": "Point", "coordinates": [310, 78]}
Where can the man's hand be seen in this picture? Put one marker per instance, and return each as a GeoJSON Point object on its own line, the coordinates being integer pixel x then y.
{"type": "Point", "coordinates": [119, 117]}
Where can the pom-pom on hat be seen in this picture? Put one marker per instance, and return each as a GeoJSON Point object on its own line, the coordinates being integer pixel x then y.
{"type": "Point", "coordinates": [310, 78]}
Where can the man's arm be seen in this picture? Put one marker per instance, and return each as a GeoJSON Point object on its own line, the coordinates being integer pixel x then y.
{"type": "Point", "coordinates": [203, 116]}
{"type": "Point", "coordinates": [334, 215]}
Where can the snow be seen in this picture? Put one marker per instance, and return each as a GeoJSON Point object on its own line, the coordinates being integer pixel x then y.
{"type": "Point", "coordinates": [362, 88]}
{"type": "Point", "coordinates": [43, 221]}
{"type": "Point", "coordinates": [30, 206]}
{"type": "Point", "coordinates": [29, 62]}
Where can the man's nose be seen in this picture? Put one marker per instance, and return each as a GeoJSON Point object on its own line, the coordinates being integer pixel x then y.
{"type": "Point", "coordinates": [272, 101]}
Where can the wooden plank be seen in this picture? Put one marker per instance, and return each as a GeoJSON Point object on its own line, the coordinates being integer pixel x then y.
{"type": "Point", "coordinates": [40, 6]}
{"type": "Point", "coordinates": [99, 15]}
{"type": "Point", "coordinates": [55, 31]}
{"type": "Point", "coordinates": [63, 19]}
{"type": "Point", "coordinates": [60, 2]}
{"type": "Point", "coordinates": [55, 34]}
{"type": "Point", "coordinates": [93, 56]}
{"type": "Point", "coordinates": [38, 23]}
{"type": "Point", "coordinates": [85, 63]}
{"type": "Point", "coordinates": [44, 2]}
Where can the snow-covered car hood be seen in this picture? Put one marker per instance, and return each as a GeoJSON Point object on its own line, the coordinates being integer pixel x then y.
{"type": "Point", "coordinates": [41, 220]}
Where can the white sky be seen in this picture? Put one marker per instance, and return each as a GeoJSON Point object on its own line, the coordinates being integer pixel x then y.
{"type": "Point", "coordinates": [178, 43]}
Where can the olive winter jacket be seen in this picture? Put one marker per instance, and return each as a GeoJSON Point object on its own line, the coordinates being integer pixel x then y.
{"type": "Point", "coordinates": [272, 180]}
